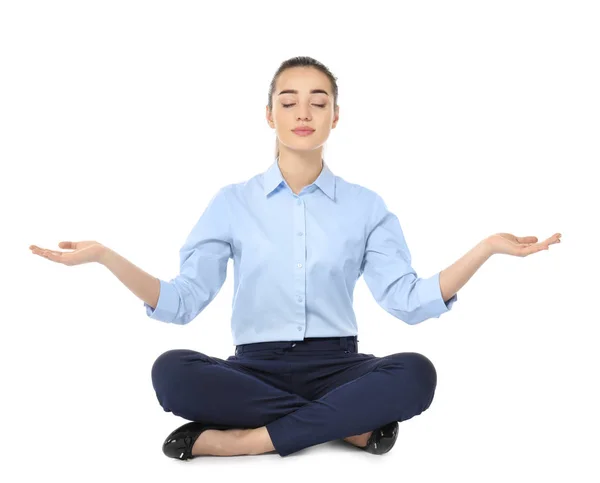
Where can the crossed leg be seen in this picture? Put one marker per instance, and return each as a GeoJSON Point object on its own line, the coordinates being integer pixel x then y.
{"type": "Point", "coordinates": [264, 417]}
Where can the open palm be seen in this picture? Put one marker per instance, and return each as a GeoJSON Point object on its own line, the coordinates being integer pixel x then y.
{"type": "Point", "coordinates": [83, 252]}
{"type": "Point", "coordinates": [519, 246]}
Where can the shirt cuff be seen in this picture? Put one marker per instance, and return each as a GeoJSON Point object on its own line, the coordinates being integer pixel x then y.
{"type": "Point", "coordinates": [168, 303]}
{"type": "Point", "coordinates": [430, 295]}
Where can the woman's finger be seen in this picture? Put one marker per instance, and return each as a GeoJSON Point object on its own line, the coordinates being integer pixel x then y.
{"type": "Point", "coordinates": [49, 255]}
{"type": "Point", "coordinates": [527, 239]}
{"type": "Point", "coordinates": [56, 257]}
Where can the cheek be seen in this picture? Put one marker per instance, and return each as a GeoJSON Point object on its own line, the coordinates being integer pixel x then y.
{"type": "Point", "coordinates": [323, 131]}
{"type": "Point", "coordinates": [285, 122]}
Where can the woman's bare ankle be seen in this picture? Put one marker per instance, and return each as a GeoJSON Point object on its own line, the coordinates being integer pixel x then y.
{"type": "Point", "coordinates": [360, 439]}
{"type": "Point", "coordinates": [217, 442]}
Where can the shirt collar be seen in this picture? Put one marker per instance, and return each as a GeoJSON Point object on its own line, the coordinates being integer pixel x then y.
{"type": "Point", "coordinates": [272, 178]}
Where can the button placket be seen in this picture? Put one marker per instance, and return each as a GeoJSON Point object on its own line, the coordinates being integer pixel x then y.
{"type": "Point", "coordinates": [299, 251]}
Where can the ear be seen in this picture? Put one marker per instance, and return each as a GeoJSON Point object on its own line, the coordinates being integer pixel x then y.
{"type": "Point", "coordinates": [336, 116]}
{"type": "Point", "coordinates": [269, 116]}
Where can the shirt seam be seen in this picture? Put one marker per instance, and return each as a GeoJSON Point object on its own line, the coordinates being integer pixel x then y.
{"type": "Point", "coordinates": [369, 218]}
{"type": "Point", "coordinates": [229, 224]}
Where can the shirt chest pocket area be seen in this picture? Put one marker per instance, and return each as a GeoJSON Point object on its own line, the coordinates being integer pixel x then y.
{"type": "Point", "coordinates": [338, 250]}
{"type": "Point", "coordinates": [255, 250]}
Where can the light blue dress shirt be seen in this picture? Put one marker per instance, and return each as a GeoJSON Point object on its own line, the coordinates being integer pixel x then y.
{"type": "Point", "coordinates": [296, 260]}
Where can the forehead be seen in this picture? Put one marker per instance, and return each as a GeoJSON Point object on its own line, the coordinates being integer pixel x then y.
{"type": "Point", "coordinates": [303, 79]}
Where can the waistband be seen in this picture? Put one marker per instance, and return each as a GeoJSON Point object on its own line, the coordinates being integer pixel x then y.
{"type": "Point", "coordinates": [347, 343]}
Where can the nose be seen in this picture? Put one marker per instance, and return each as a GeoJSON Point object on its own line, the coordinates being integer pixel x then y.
{"type": "Point", "coordinates": [304, 112]}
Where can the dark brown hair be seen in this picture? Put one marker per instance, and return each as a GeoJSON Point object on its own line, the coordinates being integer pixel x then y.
{"type": "Point", "coordinates": [301, 62]}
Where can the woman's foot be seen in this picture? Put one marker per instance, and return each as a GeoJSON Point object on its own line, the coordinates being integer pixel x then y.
{"type": "Point", "coordinates": [233, 442]}
{"type": "Point", "coordinates": [217, 442]}
{"type": "Point", "coordinates": [359, 440]}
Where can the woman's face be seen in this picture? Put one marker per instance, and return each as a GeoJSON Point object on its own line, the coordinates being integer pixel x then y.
{"type": "Point", "coordinates": [303, 108]}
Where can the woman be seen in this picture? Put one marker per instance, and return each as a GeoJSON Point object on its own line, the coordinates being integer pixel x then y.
{"type": "Point", "coordinates": [300, 237]}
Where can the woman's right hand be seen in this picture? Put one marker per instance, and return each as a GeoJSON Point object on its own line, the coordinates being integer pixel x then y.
{"type": "Point", "coordinates": [83, 252]}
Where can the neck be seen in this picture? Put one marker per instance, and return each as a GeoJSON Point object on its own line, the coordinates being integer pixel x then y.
{"type": "Point", "coordinates": [300, 170]}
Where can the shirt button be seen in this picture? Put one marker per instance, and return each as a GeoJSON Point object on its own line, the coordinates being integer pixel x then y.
{"type": "Point", "coordinates": [299, 202]}
{"type": "Point", "coordinates": [299, 299]}
{"type": "Point", "coordinates": [299, 327]}
{"type": "Point", "coordinates": [299, 265]}
{"type": "Point", "coordinates": [300, 233]}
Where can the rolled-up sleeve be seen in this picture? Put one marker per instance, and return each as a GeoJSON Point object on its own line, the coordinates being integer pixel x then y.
{"type": "Point", "coordinates": [203, 266]}
{"type": "Point", "coordinates": [389, 275]}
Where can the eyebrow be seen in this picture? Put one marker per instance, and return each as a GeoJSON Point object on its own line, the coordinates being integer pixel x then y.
{"type": "Point", "coordinates": [294, 91]}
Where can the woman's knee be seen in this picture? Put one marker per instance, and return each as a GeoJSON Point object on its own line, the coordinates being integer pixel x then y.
{"type": "Point", "coordinates": [168, 365]}
{"type": "Point", "coordinates": [420, 366]}
{"type": "Point", "coordinates": [426, 369]}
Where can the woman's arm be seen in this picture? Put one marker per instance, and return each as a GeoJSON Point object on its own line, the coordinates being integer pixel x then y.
{"type": "Point", "coordinates": [142, 284]}
{"type": "Point", "coordinates": [456, 275]}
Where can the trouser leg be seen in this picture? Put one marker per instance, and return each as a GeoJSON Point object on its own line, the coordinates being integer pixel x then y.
{"type": "Point", "coordinates": [198, 387]}
{"type": "Point", "coordinates": [392, 388]}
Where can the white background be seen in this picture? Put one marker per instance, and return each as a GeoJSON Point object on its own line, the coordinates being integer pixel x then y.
{"type": "Point", "coordinates": [119, 120]}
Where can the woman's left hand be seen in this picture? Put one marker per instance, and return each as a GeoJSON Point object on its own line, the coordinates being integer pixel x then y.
{"type": "Point", "coordinates": [519, 246]}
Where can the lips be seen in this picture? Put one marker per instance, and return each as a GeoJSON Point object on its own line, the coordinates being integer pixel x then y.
{"type": "Point", "coordinates": [303, 129]}
{"type": "Point", "coordinates": [303, 133]}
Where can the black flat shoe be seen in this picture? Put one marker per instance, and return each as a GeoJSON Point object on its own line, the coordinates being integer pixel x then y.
{"type": "Point", "coordinates": [180, 442]}
{"type": "Point", "coordinates": [382, 439]}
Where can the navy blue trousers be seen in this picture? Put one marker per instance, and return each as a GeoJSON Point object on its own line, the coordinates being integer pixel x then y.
{"type": "Point", "coordinates": [305, 392]}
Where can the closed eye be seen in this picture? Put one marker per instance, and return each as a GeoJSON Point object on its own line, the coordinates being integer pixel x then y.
{"type": "Point", "coordinates": [319, 105]}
